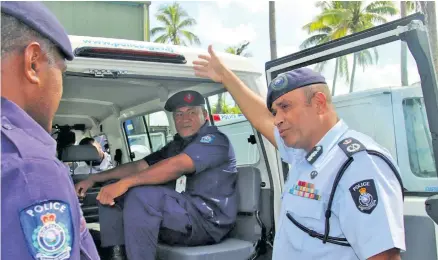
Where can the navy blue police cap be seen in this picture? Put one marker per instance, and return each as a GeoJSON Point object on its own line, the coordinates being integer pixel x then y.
{"type": "Point", "coordinates": [292, 80]}
{"type": "Point", "coordinates": [183, 99]}
{"type": "Point", "coordinates": [38, 17]}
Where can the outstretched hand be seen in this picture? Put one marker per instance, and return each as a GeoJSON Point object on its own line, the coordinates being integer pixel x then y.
{"type": "Point", "coordinates": [209, 66]}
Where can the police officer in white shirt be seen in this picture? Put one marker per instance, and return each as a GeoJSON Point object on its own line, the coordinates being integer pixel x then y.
{"type": "Point", "coordinates": [94, 167]}
{"type": "Point", "coordinates": [343, 198]}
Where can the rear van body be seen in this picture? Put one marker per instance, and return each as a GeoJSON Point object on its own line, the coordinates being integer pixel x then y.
{"type": "Point", "coordinates": [115, 90]}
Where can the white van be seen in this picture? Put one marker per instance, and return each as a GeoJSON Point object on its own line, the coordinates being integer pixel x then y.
{"type": "Point", "coordinates": [113, 81]}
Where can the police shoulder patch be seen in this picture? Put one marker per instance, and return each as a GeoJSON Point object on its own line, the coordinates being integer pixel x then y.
{"type": "Point", "coordinates": [207, 139]}
{"type": "Point", "coordinates": [364, 195]}
{"type": "Point", "coordinates": [351, 146]}
{"type": "Point", "coordinates": [48, 229]}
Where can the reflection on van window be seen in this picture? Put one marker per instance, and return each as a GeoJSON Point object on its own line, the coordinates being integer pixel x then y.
{"type": "Point", "coordinates": [230, 121]}
{"type": "Point", "coordinates": [418, 138]}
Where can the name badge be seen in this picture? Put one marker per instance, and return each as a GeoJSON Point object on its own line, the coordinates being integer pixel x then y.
{"type": "Point", "coordinates": [181, 184]}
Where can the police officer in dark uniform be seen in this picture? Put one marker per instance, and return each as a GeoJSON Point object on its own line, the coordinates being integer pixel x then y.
{"type": "Point", "coordinates": [41, 216]}
{"type": "Point", "coordinates": [152, 210]}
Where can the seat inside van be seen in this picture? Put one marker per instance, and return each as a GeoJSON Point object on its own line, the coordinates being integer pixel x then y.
{"type": "Point", "coordinates": [238, 245]}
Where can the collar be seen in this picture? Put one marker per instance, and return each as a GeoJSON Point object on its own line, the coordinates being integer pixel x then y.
{"type": "Point", "coordinates": [328, 141]}
{"type": "Point", "coordinates": [15, 117]}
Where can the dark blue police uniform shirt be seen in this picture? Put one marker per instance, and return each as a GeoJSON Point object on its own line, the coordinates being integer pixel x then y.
{"type": "Point", "coordinates": [41, 215]}
{"type": "Point", "coordinates": [212, 187]}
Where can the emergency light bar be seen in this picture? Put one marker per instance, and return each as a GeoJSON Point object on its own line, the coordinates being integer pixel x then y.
{"type": "Point", "coordinates": [129, 54]}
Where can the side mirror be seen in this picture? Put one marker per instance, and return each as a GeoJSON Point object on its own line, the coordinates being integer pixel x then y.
{"type": "Point", "coordinates": [432, 208]}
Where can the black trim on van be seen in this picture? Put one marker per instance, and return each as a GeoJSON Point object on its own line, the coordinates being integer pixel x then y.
{"type": "Point", "coordinates": [343, 41]}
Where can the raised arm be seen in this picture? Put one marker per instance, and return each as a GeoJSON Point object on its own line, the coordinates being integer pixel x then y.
{"type": "Point", "coordinates": [253, 106]}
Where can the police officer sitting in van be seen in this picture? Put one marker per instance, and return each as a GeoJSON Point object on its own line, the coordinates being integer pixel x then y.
{"type": "Point", "coordinates": [152, 210]}
{"type": "Point", "coordinates": [343, 196]}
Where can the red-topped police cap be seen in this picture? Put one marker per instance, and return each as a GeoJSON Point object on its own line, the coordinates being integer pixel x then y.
{"type": "Point", "coordinates": [184, 99]}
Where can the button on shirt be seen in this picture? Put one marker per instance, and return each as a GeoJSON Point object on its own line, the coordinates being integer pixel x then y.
{"type": "Point", "coordinates": [41, 216]}
{"type": "Point", "coordinates": [211, 188]}
{"type": "Point", "coordinates": [370, 229]}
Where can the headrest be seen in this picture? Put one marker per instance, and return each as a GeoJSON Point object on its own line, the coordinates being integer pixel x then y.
{"type": "Point", "coordinates": [77, 153]}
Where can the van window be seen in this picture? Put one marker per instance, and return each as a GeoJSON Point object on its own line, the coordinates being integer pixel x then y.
{"type": "Point", "coordinates": [137, 129]}
{"type": "Point", "coordinates": [418, 138]}
{"type": "Point", "coordinates": [230, 121]}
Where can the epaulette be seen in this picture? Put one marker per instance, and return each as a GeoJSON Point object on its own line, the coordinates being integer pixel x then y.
{"type": "Point", "coordinates": [351, 146]}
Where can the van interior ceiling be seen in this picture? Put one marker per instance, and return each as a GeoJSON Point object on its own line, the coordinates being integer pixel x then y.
{"type": "Point", "coordinates": [90, 100]}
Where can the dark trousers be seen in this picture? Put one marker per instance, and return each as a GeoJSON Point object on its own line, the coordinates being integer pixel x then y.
{"type": "Point", "coordinates": [148, 214]}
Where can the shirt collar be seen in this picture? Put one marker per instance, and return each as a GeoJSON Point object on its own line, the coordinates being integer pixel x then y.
{"type": "Point", "coordinates": [18, 118]}
{"type": "Point", "coordinates": [329, 140]}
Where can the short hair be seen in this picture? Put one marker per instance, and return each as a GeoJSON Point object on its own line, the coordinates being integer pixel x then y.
{"type": "Point", "coordinates": [309, 92]}
{"type": "Point", "coordinates": [87, 140]}
{"type": "Point", "coordinates": [15, 35]}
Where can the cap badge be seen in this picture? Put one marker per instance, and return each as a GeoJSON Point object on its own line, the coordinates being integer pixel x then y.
{"type": "Point", "coordinates": [188, 98]}
{"type": "Point", "coordinates": [279, 82]}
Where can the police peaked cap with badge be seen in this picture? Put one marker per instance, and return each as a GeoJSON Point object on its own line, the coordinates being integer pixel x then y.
{"type": "Point", "coordinates": [38, 17]}
{"type": "Point", "coordinates": [291, 80]}
{"type": "Point", "coordinates": [184, 99]}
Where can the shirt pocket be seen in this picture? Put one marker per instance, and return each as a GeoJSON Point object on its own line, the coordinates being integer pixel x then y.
{"type": "Point", "coordinates": [307, 212]}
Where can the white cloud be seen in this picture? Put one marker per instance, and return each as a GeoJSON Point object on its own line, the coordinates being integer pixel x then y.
{"type": "Point", "coordinates": [211, 27]}
{"type": "Point", "coordinates": [254, 6]}
{"type": "Point", "coordinates": [373, 77]}
{"type": "Point", "coordinates": [284, 50]}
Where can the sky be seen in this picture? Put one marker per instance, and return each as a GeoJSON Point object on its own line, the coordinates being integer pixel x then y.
{"type": "Point", "coordinates": [229, 22]}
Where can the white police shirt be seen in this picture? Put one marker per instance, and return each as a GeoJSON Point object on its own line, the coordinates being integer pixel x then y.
{"type": "Point", "coordinates": [367, 207]}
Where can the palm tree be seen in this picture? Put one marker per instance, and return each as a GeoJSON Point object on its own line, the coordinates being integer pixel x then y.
{"type": "Point", "coordinates": [176, 23]}
{"type": "Point", "coordinates": [240, 50]}
{"type": "Point", "coordinates": [341, 18]}
{"type": "Point", "coordinates": [429, 10]}
{"type": "Point", "coordinates": [323, 35]}
{"type": "Point", "coordinates": [272, 31]}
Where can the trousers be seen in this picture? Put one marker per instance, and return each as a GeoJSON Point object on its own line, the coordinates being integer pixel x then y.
{"type": "Point", "coordinates": [146, 215]}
